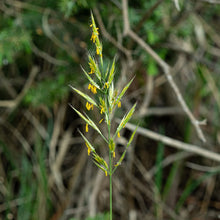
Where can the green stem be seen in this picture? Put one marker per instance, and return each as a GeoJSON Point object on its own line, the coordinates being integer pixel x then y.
{"type": "Point", "coordinates": [110, 170]}
{"type": "Point", "coordinates": [110, 184]}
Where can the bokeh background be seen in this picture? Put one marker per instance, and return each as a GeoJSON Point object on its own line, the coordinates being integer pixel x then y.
{"type": "Point", "coordinates": [45, 172]}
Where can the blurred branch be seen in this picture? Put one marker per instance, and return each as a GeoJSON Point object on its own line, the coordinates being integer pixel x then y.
{"type": "Point", "coordinates": [25, 5]}
{"type": "Point", "coordinates": [174, 143]}
{"type": "Point", "coordinates": [56, 166]}
{"type": "Point", "coordinates": [47, 57]}
{"type": "Point", "coordinates": [202, 168]}
{"type": "Point", "coordinates": [147, 96]}
{"type": "Point", "coordinates": [13, 103]}
{"type": "Point", "coordinates": [165, 67]}
{"type": "Point", "coordinates": [15, 132]}
{"type": "Point", "coordinates": [125, 17]}
{"type": "Point", "coordinates": [94, 193]}
{"type": "Point", "coordinates": [56, 158]}
{"type": "Point", "coordinates": [157, 111]}
{"type": "Point", "coordinates": [37, 125]}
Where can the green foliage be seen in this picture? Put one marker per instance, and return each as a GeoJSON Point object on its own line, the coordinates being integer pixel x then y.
{"type": "Point", "coordinates": [152, 67]}
{"type": "Point", "coordinates": [69, 7]}
{"type": "Point", "coordinates": [97, 217]}
{"type": "Point", "coordinates": [170, 179]}
{"type": "Point", "coordinates": [12, 41]}
{"type": "Point", "coordinates": [134, 16]}
{"type": "Point", "coordinates": [31, 20]}
{"type": "Point", "coordinates": [47, 92]}
{"type": "Point", "coordinates": [43, 202]}
{"type": "Point", "coordinates": [27, 191]}
{"type": "Point", "coordinates": [8, 154]}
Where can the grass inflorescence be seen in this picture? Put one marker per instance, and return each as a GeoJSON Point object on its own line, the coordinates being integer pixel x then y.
{"type": "Point", "coordinates": [106, 98]}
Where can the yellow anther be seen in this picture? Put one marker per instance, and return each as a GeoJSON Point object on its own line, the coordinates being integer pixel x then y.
{"type": "Point", "coordinates": [94, 90]}
{"type": "Point", "coordinates": [87, 127]}
{"type": "Point", "coordinates": [102, 110]}
{"type": "Point", "coordinates": [89, 106]}
{"type": "Point", "coordinates": [106, 85]}
{"type": "Point", "coordinates": [119, 135]}
{"type": "Point", "coordinates": [119, 104]}
{"type": "Point", "coordinates": [89, 149]}
{"type": "Point", "coordinates": [100, 121]}
{"type": "Point", "coordinates": [97, 51]}
{"type": "Point", "coordinates": [93, 37]}
{"type": "Point", "coordinates": [92, 67]}
{"type": "Point", "coordinates": [114, 154]}
{"type": "Point", "coordinates": [95, 34]}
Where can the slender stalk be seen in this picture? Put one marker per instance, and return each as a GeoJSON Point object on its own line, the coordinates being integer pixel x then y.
{"type": "Point", "coordinates": [110, 184]}
{"type": "Point", "coordinates": [110, 167]}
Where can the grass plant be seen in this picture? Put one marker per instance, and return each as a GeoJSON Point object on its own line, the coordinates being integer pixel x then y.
{"type": "Point", "coordinates": [106, 98]}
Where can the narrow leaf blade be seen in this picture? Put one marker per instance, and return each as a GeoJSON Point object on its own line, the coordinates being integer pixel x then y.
{"type": "Point", "coordinates": [125, 119]}
{"type": "Point", "coordinates": [86, 140]}
{"type": "Point", "coordinates": [123, 92]}
{"type": "Point", "coordinates": [89, 99]}
{"type": "Point", "coordinates": [112, 72]}
{"type": "Point", "coordinates": [132, 137]}
{"type": "Point", "coordinates": [81, 115]}
{"type": "Point", "coordinates": [90, 79]}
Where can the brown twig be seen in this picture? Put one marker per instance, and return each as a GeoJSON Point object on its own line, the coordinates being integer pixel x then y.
{"type": "Point", "coordinates": [94, 194]}
{"type": "Point", "coordinates": [12, 104]}
{"type": "Point", "coordinates": [47, 56]}
{"type": "Point", "coordinates": [147, 96]}
{"type": "Point", "coordinates": [15, 132]}
{"type": "Point", "coordinates": [157, 111]}
{"type": "Point", "coordinates": [36, 124]}
{"type": "Point", "coordinates": [55, 175]}
{"type": "Point", "coordinates": [56, 166]}
{"type": "Point", "coordinates": [25, 5]}
{"type": "Point", "coordinates": [174, 143]}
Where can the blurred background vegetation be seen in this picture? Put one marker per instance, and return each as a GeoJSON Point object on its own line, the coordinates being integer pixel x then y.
{"type": "Point", "coordinates": [45, 173]}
